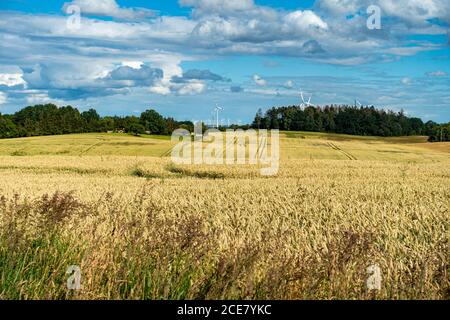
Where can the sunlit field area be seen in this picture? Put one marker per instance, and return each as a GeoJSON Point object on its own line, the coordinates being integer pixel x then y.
{"type": "Point", "coordinates": [141, 227]}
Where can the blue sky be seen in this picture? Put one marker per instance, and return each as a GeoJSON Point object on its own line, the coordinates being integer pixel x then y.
{"type": "Point", "coordinates": [182, 57]}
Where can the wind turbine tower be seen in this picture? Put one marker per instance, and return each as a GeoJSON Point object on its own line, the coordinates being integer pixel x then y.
{"type": "Point", "coordinates": [217, 109]}
{"type": "Point", "coordinates": [305, 103]}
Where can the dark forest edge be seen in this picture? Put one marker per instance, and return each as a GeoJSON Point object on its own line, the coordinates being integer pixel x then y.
{"type": "Point", "coordinates": [344, 119]}
{"type": "Point", "coordinates": [48, 119]}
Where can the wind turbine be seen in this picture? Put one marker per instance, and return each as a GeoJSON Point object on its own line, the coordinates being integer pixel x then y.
{"type": "Point", "coordinates": [217, 109]}
{"type": "Point", "coordinates": [357, 103]}
{"type": "Point", "coordinates": [306, 103]}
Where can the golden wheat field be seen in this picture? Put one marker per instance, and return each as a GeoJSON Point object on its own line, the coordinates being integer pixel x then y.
{"type": "Point", "coordinates": [141, 227]}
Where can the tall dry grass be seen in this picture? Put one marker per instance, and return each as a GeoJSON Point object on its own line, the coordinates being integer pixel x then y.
{"type": "Point", "coordinates": [146, 229]}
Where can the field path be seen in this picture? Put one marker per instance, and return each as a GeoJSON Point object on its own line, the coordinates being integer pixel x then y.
{"type": "Point", "coordinates": [167, 152]}
{"type": "Point", "coordinates": [91, 146]}
{"type": "Point", "coordinates": [347, 154]}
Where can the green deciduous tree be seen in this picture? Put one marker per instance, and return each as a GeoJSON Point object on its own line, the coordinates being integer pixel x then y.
{"type": "Point", "coordinates": [153, 122]}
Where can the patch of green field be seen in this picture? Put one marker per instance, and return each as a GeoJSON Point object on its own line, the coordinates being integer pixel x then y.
{"type": "Point", "coordinates": [347, 137]}
{"type": "Point", "coordinates": [317, 145]}
{"type": "Point", "coordinates": [88, 144]}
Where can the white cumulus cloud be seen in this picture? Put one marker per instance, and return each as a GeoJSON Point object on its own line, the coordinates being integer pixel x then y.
{"type": "Point", "coordinates": [3, 98]}
{"type": "Point", "coordinates": [259, 81]}
{"type": "Point", "coordinates": [109, 8]}
{"type": "Point", "coordinates": [192, 87]}
{"type": "Point", "coordinates": [302, 20]}
{"type": "Point", "coordinates": [133, 64]}
{"type": "Point", "coordinates": [38, 98]}
{"type": "Point", "coordinates": [289, 84]}
{"type": "Point", "coordinates": [218, 6]}
{"type": "Point", "coordinates": [438, 73]}
{"type": "Point", "coordinates": [339, 7]}
{"type": "Point", "coordinates": [406, 81]}
{"type": "Point", "coordinates": [11, 79]}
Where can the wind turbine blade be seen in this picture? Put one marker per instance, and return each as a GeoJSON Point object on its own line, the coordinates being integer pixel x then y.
{"type": "Point", "coordinates": [301, 94]}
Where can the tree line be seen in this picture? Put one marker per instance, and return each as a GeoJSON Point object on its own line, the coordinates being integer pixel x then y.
{"type": "Point", "coordinates": [48, 119]}
{"type": "Point", "coordinates": [365, 121]}
{"type": "Point", "coordinates": [439, 133]}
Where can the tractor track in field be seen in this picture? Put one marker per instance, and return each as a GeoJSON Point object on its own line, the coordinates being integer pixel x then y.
{"type": "Point", "coordinates": [167, 152]}
{"type": "Point", "coordinates": [91, 147]}
{"type": "Point", "coordinates": [261, 146]}
{"type": "Point", "coordinates": [347, 154]}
